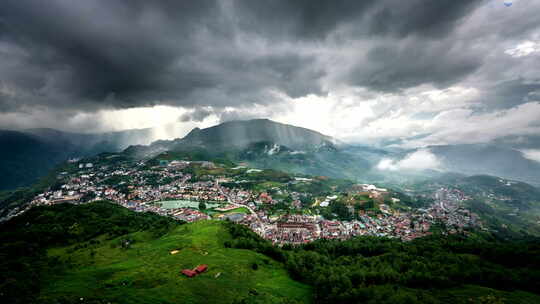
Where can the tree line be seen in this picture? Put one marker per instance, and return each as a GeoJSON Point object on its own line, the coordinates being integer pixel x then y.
{"type": "Point", "coordinates": [381, 270]}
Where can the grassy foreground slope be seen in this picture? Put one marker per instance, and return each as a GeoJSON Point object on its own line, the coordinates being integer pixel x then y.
{"type": "Point", "coordinates": [103, 253]}
{"type": "Point", "coordinates": [136, 266]}
{"type": "Point", "coordinates": [148, 273]}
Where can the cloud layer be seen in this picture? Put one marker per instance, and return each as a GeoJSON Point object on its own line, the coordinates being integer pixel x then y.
{"type": "Point", "coordinates": [418, 160]}
{"type": "Point", "coordinates": [532, 154]}
{"type": "Point", "coordinates": [410, 73]}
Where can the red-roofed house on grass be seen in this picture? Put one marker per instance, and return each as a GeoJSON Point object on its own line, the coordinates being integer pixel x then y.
{"type": "Point", "coordinates": [189, 273]}
{"type": "Point", "coordinates": [201, 268]}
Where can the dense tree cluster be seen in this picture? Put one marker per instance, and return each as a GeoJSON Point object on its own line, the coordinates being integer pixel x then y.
{"type": "Point", "coordinates": [247, 239]}
{"type": "Point", "coordinates": [378, 270]}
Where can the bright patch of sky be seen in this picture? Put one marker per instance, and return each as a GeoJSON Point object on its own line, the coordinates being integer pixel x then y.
{"type": "Point", "coordinates": [525, 48]}
{"type": "Point", "coordinates": [532, 154]}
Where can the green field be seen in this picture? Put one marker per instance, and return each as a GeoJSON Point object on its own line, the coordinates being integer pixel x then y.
{"type": "Point", "coordinates": [148, 273]}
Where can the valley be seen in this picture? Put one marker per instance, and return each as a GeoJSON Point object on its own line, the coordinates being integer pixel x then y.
{"type": "Point", "coordinates": [292, 209]}
{"type": "Point", "coordinates": [269, 225]}
{"type": "Point", "coordinates": [279, 206]}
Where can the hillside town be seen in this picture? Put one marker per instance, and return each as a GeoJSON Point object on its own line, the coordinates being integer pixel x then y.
{"type": "Point", "coordinates": [176, 190]}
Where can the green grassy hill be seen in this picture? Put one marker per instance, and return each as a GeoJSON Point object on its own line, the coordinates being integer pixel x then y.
{"type": "Point", "coordinates": [104, 253]}
{"type": "Point", "coordinates": [148, 273]}
{"type": "Point", "coordinates": [134, 265]}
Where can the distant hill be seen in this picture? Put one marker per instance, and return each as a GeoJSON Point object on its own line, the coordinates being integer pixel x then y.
{"type": "Point", "coordinates": [240, 134]}
{"type": "Point", "coordinates": [262, 143]}
{"type": "Point", "coordinates": [508, 207]}
{"type": "Point", "coordinates": [25, 157]}
{"type": "Point", "coordinates": [474, 159]}
{"type": "Point", "coordinates": [28, 155]}
{"type": "Point", "coordinates": [514, 189]}
{"type": "Point", "coordinates": [267, 144]}
{"type": "Point", "coordinates": [89, 142]}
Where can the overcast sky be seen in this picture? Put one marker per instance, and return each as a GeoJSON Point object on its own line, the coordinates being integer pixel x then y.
{"type": "Point", "coordinates": [413, 73]}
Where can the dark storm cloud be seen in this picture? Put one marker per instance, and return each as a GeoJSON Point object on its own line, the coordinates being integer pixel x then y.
{"type": "Point", "coordinates": [88, 55]}
{"type": "Point", "coordinates": [303, 19]}
{"type": "Point", "coordinates": [400, 65]}
{"type": "Point", "coordinates": [425, 18]}
{"type": "Point", "coordinates": [136, 53]}
{"type": "Point", "coordinates": [308, 19]}
{"type": "Point", "coordinates": [197, 115]}
{"type": "Point", "coordinates": [121, 48]}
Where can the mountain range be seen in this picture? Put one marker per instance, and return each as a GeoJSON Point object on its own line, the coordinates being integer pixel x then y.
{"type": "Point", "coordinates": [489, 159]}
{"type": "Point", "coordinates": [29, 154]}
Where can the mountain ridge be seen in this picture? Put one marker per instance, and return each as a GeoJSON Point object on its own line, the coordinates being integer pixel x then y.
{"type": "Point", "coordinates": [477, 159]}
{"type": "Point", "coordinates": [241, 133]}
{"type": "Point", "coordinates": [262, 142]}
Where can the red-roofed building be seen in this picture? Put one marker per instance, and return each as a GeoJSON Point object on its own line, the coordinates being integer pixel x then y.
{"type": "Point", "coordinates": [189, 273]}
{"type": "Point", "coordinates": [201, 268]}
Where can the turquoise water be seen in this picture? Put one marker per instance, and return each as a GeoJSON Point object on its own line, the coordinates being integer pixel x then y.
{"type": "Point", "coordinates": [184, 204]}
